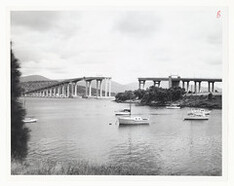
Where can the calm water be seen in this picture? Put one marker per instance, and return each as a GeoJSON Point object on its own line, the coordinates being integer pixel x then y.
{"type": "Point", "coordinates": [87, 129]}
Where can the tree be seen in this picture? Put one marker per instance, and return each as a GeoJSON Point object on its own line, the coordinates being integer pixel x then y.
{"type": "Point", "coordinates": [19, 133]}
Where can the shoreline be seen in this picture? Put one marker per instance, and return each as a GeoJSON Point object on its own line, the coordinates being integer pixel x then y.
{"type": "Point", "coordinates": [198, 101]}
{"type": "Point", "coordinates": [52, 167]}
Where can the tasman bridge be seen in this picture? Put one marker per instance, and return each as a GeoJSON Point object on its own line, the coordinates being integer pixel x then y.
{"type": "Point", "coordinates": [175, 81]}
{"type": "Point", "coordinates": [69, 88]}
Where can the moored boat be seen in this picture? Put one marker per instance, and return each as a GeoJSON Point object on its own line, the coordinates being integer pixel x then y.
{"type": "Point", "coordinates": [123, 112]}
{"type": "Point", "coordinates": [30, 120]}
{"type": "Point", "coordinates": [173, 106]}
{"type": "Point", "coordinates": [202, 111]}
{"type": "Point", "coordinates": [196, 116]}
{"type": "Point", "coordinates": [133, 120]}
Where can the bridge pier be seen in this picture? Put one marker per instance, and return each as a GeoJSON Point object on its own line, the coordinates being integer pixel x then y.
{"type": "Point", "coordinates": [208, 86]}
{"type": "Point", "coordinates": [110, 87]}
{"type": "Point", "coordinates": [90, 88]}
{"type": "Point", "coordinates": [68, 90]}
{"type": "Point", "coordinates": [195, 86]}
{"type": "Point", "coordinates": [86, 88]}
{"type": "Point", "coordinates": [105, 87]}
{"type": "Point", "coordinates": [142, 85]}
{"type": "Point", "coordinates": [199, 86]}
{"type": "Point", "coordinates": [187, 86]}
{"type": "Point", "coordinates": [156, 83]}
{"type": "Point", "coordinates": [100, 88]}
{"type": "Point", "coordinates": [76, 86]}
{"type": "Point", "coordinates": [213, 87]}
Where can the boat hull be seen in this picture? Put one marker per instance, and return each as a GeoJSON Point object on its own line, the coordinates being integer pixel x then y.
{"type": "Point", "coordinates": [196, 118]}
{"type": "Point", "coordinates": [132, 121]}
{"type": "Point", "coordinates": [170, 107]}
{"type": "Point", "coordinates": [122, 114]}
{"type": "Point", "coordinates": [29, 120]}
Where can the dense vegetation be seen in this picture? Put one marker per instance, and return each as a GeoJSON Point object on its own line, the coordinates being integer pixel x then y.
{"type": "Point", "coordinates": [152, 95]}
{"type": "Point", "coordinates": [19, 133]}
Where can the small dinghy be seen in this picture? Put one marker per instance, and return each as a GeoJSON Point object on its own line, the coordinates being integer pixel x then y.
{"type": "Point", "coordinates": [123, 112]}
{"type": "Point", "coordinates": [30, 120]}
{"type": "Point", "coordinates": [173, 106]}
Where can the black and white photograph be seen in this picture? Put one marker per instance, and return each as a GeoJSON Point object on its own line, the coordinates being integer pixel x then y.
{"type": "Point", "coordinates": [117, 91]}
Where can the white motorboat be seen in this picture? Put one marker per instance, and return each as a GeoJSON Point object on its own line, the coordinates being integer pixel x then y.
{"type": "Point", "coordinates": [133, 120]}
{"type": "Point", "coordinates": [196, 116]}
{"type": "Point", "coordinates": [173, 106]}
{"type": "Point", "coordinates": [202, 111]}
{"type": "Point", "coordinates": [30, 120]}
{"type": "Point", "coordinates": [125, 112]}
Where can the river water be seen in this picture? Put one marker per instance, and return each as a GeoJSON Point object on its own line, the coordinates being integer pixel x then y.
{"type": "Point", "coordinates": [88, 130]}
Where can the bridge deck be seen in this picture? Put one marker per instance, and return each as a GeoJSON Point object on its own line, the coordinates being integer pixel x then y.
{"type": "Point", "coordinates": [181, 79]}
{"type": "Point", "coordinates": [68, 81]}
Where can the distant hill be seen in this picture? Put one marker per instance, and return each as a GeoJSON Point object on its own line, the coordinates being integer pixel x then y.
{"type": "Point", "coordinates": [33, 78]}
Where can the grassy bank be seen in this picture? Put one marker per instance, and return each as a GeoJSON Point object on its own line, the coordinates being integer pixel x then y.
{"type": "Point", "coordinates": [74, 168]}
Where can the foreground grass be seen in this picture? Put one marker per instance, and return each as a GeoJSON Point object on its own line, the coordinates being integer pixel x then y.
{"type": "Point", "coordinates": [73, 168]}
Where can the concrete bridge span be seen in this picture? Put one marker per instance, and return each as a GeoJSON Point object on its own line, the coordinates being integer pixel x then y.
{"type": "Point", "coordinates": [176, 81]}
{"type": "Point", "coordinates": [69, 88]}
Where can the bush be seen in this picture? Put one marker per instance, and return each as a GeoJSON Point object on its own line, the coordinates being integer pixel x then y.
{"type": "Point", "coordinates": [123, 96]}
{"type": "Point", "coordinates": [152, 94]}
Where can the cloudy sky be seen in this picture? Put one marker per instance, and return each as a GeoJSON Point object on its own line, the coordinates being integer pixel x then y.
{"type": "Point", "coordinates": [122, 44]}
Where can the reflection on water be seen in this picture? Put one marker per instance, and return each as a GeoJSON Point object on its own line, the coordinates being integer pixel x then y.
{"type": "Point", "coordinates": [83, 129]}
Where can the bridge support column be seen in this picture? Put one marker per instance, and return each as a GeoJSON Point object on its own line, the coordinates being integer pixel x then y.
{"type": "Point", "coordinates": [156, 83]}
{"type": "Point", "coordinates": [59, 91]}
{"type": "Point", "coordinates": [100, 88]}
{"type": "Point", "coordinates": [143, 85]}
{"type": "Point", "coordinates": [90, 89]}
{"type": "Point", "coordinates": [182, 84]}
{"type": "Point", "coordinates": [110, 87]}
{"type": "Point", "coordinates": [212, 86]}
{"type": "Point", "coordinates": [199, 86]}
{"type": "Point", "coordinates": [140, 85]}
{"type": "Point", "coordinates": [68, 90]}
{"type": "Point", "coordinates": [159, 83]}
{"type": "Point", "coordinates": [76, 86]}
{"type": "Point", "coordinates": [105, 87]}
{"type": "Point", "coordinates": [50, 92]}
{"type": "Point", "coordinates": [97, 88]}
{"type": "Point", "coordinates": [208, 86]}
{"type": "Point", "coordinates": [55, 91]}
{"type": "Point", "coordinates": [195, 86]}
{"type": "Point", "coordinates": [63, 90]}
{"type": "Point", "coordinates": [72, 88]}
{"type": "Point", "coordinates": [86, 88]}
{"type": "Point", "coordinates": [187, 86]}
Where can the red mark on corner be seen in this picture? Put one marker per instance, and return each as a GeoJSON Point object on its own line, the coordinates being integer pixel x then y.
{"type": "Point", "coordinates": [219, 14]}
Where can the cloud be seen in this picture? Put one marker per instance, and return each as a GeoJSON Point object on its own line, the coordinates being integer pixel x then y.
{"type": "Point", "coordinates": [35, 20]}
{"type": "Point", "coordinates": [138, 23]}
{"type": "Point", "coordinates": [121, 44]}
